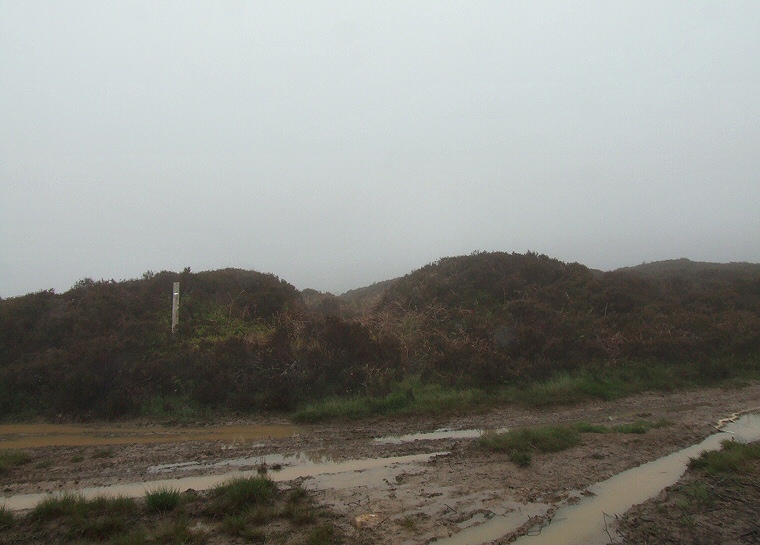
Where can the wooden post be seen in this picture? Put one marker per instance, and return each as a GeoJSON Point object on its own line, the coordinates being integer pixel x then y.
{"type": "Point", "coordinates": [175, 307]}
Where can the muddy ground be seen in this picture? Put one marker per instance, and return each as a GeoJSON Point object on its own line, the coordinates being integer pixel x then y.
{"type": "Point", "coordinates": [404, 503]}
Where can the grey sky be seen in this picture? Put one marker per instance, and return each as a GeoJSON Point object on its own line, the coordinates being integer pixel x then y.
{"type": "Point", "coordinates": [337, 144]}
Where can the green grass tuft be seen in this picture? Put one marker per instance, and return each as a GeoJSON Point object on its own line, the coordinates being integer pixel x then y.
{"type": "Point", "coordinates": [235, 496]}
{"type": "Point", "coordinates": [162, 500]}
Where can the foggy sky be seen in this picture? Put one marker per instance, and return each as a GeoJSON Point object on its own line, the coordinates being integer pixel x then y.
{"type": "Point", "coordinates": [336, 144]}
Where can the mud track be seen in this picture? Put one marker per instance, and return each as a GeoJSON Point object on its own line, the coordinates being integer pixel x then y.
{"type": "Point", "coordinates": [402, 503]}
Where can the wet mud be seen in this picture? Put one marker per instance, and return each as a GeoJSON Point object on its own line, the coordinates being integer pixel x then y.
{"type": "Point", "coordinates": [400, 481]}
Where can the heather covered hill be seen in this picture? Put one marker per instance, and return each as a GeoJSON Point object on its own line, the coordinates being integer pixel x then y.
{"type": "Point", "coordinates": [488, 318]}
{"type": "Point", "coordinates": [105, 348]}
{"type": "Point", "coordinates": [249, 341]}
{"type": "Point", "coordinates": [694, 270]}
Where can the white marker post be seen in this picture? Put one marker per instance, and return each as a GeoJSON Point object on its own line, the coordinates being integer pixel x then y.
{"type": "Point", "coordinates": [175, 307]}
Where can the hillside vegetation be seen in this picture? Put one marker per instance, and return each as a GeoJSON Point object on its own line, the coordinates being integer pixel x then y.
{"type": "Point", "coordinates": [249, 341]}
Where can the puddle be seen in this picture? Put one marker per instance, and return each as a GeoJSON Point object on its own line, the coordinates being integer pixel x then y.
{"type": "Point", "coordinates": [268, 460]}
{"type": "Point", "coordinates": [443, 433]}
{"type": "Point", "coordinates": [587, 522]}
{"type": "Point", "coordinates": [350, 473]}
{"type": "Point", "coordinates": [496, 527]}
{"type": "Point", "coordinates": [16, 436]}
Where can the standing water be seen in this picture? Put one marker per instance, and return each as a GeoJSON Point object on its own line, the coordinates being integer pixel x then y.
{"type": "Point", "coordinates": [587, 522]}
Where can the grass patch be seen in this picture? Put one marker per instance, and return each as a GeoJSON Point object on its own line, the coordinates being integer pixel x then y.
{"type": "Point", "coordinates": [103, 453]}
{"type": "Point", "coordinates": [409, 397]}
{"type": "Point", "coordinates": [324, 534]}
{"type": "Point", "coordinates": [565, 388]}
{"type": "Point", "coordinates": [521, 444]}
{"type": "Point", "coordinates": [7, 520]}
{"type": "Point", "coordinates": [76, 506]}
{"type": "Point", "coordinates": [13, 458]}
{"type": "Point", "coordinates": [237, 495]}
{"type": "Point", "coordinates": [162, 500]}
{"type": "Point", "coordinates": [176, 531]}
{"type": "Point", "coordinates": [640, 426]}
{"type": "Point", "coordinates": [248, 510]}
{"type": "Point", "coordinates": [99, 518]}
{"type": "Point", "coordinates": [733, 458]}
{"type": "Point", "coordinates": [44, 464]}
{"type": "Point", "coordinates": [173, 408]}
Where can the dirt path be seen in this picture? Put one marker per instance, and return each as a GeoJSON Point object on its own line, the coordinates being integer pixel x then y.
{"type": "Point", "coordinates": [404, 502]}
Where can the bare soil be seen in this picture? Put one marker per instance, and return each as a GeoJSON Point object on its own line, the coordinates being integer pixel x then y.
{"type": "Point", "coordinates": [410, 503]}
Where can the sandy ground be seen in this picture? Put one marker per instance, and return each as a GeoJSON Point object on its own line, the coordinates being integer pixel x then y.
{"type": "Point", "coordinates": [459, 485]}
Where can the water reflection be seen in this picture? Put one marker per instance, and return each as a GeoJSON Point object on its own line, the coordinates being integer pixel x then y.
{"type": "Point", "coordinates": [588, 521]}
{"type": "Point", "coordinates": [442, 433]}
{"type": "Point", "coordinates": [265, 461]}
{"type": "Point", "coordinates": [348, 471]}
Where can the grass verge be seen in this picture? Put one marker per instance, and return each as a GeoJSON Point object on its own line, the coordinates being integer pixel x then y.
{"type": "Point", "coordinates": [250, 510]}
{"type": "Point", "coordinates": [565, 388]}
{"type": "Point", "coordinates": [409, 397]}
